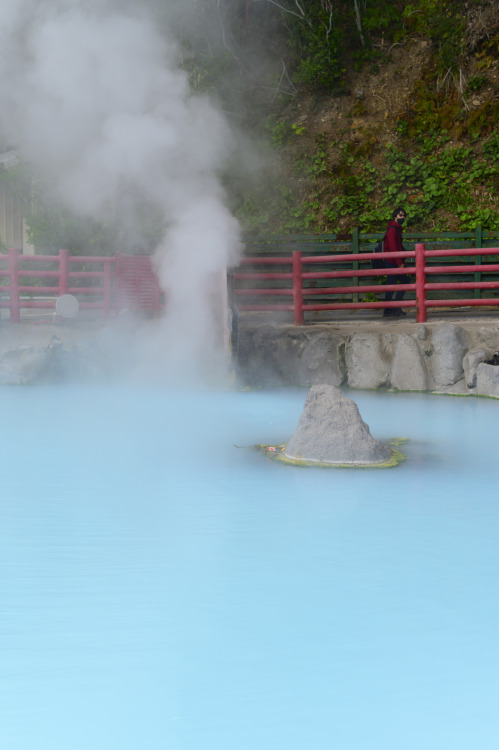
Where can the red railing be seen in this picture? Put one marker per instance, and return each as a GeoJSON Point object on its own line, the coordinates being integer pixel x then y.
{"type": "Point", "coordinates": [112, 284]}
{"type": "Point", "coordinates": [295, 280]}
{"type": "Point", "coordinates": [102, 283]}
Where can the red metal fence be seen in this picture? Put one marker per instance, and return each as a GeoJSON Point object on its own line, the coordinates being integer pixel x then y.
{"type": "Point", "coordinates": [299, 283]}
{"type": "Point", "coordinates": [352, 276]}
{"type": "Point", "coordinates": [102, 283]}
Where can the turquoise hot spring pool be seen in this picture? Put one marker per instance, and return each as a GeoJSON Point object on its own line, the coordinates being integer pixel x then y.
{"type": "Point", "coordinates": [165, 587]}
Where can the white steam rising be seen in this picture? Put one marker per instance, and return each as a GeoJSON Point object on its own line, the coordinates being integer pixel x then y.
{"type": "Point", "coordinates": [93, 97]}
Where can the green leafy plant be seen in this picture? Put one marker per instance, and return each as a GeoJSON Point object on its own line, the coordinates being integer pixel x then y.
{"type": "Point", "coordinates": [475, 83]}
{"type": "Point", "coordinates": [297, 128]}
{"type": "Point", "coordinates": [279, 131]}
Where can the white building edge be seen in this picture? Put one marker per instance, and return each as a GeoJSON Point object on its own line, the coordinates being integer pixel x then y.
{"type": "Point", "coordinates": [13, 230]}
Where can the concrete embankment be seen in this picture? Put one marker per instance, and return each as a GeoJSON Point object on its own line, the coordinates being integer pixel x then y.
{"type": "Point", "coordinates": [452, 353]}
{"type": "Point", "coordinates": [48, 351]}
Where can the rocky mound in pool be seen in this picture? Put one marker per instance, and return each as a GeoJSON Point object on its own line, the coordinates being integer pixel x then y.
{"type": "Point", "coordinates": [331, 431]}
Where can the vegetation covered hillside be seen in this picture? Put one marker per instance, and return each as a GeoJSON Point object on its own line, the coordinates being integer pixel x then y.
{"type": "Point", "coordinates": [342, 110]}
{"type": "Point", "coordinates": [372, 105]}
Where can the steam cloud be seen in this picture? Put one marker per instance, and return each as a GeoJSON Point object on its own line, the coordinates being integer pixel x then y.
{"type": "Point", "coordinates": [93, 97]}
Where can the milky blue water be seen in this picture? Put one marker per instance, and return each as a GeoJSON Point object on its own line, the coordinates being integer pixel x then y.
{"type": "Point", "coordinates": [162, 589]}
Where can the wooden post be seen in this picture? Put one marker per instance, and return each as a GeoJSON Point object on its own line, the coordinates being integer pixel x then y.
{"type": "Point", "coordinates": [15, 302]}
{"type": "Point", "coordinates": [297, 288]}
{"type": "Point", "coordinates": [420, 283]}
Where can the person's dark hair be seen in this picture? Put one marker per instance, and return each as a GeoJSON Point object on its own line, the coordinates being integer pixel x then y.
{"type": "Point", "coordinates": [397, 210]}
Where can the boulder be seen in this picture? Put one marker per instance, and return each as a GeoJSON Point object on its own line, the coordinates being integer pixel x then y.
{"type": "Point", "coordinates": [322, 360]}
{"type": "Point", "coordinates": [487, 380]}
{"type": "Point", "coordinates": [489, 337]}
{"type": "Point", "coordinates": [24, 365]}
{"type": "Point", "coordinates": [408, 371]}
{"type": "Point", "coordinates": [366, 361]}
{"type": "Point", "coordinates": [449, 347]}
{"type": "Point", "coordinates": [267, 357]}
{"type": "Point", "coordinates": [471, 360]}
{"type": "Point", "coordinates": [285, 355]}
{"type": "Point", "coordinates": [331, 431]}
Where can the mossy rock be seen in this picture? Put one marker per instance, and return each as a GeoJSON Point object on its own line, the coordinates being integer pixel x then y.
{"type": "Point", "coordinates": [276, 453]}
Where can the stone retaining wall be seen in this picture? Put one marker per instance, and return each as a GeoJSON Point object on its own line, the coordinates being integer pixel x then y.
{"type": "Point", "coordinates": [444, 357]}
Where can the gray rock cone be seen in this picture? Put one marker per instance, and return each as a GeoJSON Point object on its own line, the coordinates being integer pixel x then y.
{"type": "Point", "coordinates": [331, 430]}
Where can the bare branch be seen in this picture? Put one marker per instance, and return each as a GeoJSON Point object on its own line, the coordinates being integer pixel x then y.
{"type": "Point", "coordinates": [284, 74]}
{"type": "Point", "coordinates": [379, 97]}
{"type": "Point", "coordinates": [286, 10]}
{"type": "Point", "coordinates": [327, 7]}
{"type": "Point", "coordinates": [396, 44]}
{"type": "Point", "coordinates": [300, 8]}
{"type": "Point", "coordinates": [359, 22]}
{"type": "Point", "coordinates": [441, 83]}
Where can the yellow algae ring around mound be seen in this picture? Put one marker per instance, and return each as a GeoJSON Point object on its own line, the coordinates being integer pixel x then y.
{"type": "Point", "coordinates": [276, 453]}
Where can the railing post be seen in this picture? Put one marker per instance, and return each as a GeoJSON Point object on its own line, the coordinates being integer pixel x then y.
{"type": "Point", "coordinates": [117, 292]}
{"type": "Point", "coordinates": [107, 288]}
{"type": "Point", "coordinates": [420, 283]}
{"type": "Point", "coordinates": [63, 271]}
{"type": "Point", "coordinates": [15, 302]}
{"type": "Point", "coordinates": [478, 258]}
{"type": "Point", "coordinates": [355, 263]}
{"type": "Point", "coordinates": [478, 235]}
{"type": "Point", "coordinates": [157, 297]}
{"type": "Point", "coordinates": [297, 287]}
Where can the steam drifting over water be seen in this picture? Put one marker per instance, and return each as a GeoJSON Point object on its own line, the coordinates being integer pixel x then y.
{"type": "Point", "coordinates": [93, 97]}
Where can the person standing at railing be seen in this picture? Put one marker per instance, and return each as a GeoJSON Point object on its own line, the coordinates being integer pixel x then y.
{"type": "Point", "coordinates": [393, 244]}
